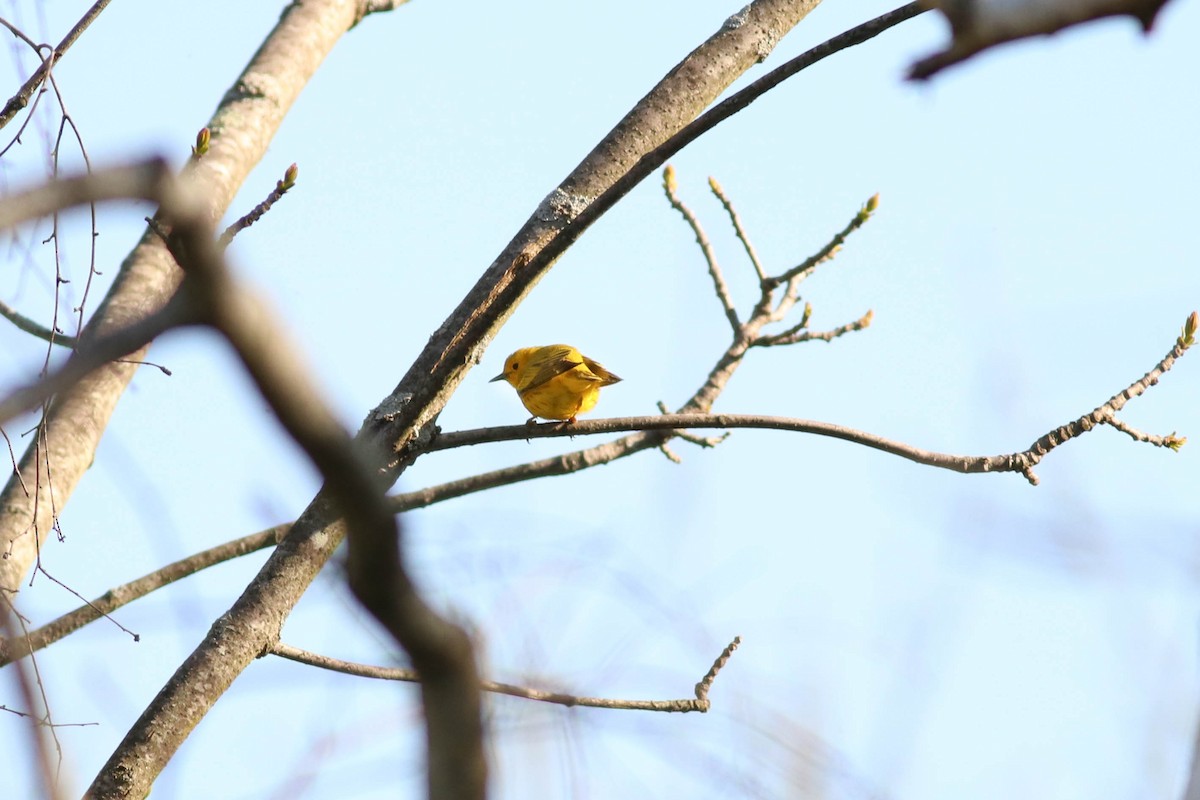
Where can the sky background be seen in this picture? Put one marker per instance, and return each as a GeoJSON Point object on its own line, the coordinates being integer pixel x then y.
{"type": "Point", "coordinates": [907, 633]}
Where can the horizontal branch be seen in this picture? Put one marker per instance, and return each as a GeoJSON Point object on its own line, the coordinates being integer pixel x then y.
{"type": "Point", "coordinates": [1022, 461]}
{"type": "Point", "coordinates": [698, 703]}
{"type": "Point", "coordinates": [1011, 462]}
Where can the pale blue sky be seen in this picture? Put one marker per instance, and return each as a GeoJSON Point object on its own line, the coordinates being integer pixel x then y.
{"type": "Point", "coordinates": [907, 633]}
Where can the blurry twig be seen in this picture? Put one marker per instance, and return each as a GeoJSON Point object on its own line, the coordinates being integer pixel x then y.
{"type": "Point", "coordinates": [33, 695]}
{"type": "Point", "coordinates": [978, 25]}
{"type": "Point", "coordinates": [37, 329]}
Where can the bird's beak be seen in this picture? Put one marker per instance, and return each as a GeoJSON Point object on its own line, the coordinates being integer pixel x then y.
{"type": "Point", "coordinates": [499, 377]}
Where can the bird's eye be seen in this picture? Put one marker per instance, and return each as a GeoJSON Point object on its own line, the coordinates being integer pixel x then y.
{"type": "Point", "coordinates": [514, 365]}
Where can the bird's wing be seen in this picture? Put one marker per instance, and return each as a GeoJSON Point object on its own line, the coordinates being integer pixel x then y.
{"type": "Point", "coordinates": [553, 361]}
{"type": "Point", "coordinates": [606, 377]}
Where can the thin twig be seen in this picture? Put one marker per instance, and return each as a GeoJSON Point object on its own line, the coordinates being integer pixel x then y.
{"type": "Point", "coordinates": [68, 120]}
{"type": "Point", "coordinates": [699, 703]}
{"type": "Point", "coordinates": [691, 438]}
{"type": "Point", "coordinates": [707, 681]}
{"type": "Point", "coordinates": [671, 187]}
{"type": "Point", "coordinates": [33, 694]}
{"type": "Point", "coordinates": [21, 98]}
{"type": "Point", "coordinates": [829, 250]}
{"type": "Point", "coordinates": [16, 468]}
{"type": "Point", "coordinates": [95, 609]}
{"type": "Point", "coordinates": [16, 712]}
{"type": "Point", "coordinates": [1105, 413]}
{"type": "Point", "coordinates": [110, 348]}
{"type": "Point", "coordinates": [126, 593]}
{"type": "Point", "coordinates": [797, 334]}
{"type": "Point", "coordinates": [30, 326]}
{"type": "Point", "coordinates": [737, 227]}
{"type": "Point", "coordinates": [281, 188]}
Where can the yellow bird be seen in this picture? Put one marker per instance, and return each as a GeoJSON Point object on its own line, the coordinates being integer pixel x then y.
{"type": "Point", "coordinates": [555, 381]}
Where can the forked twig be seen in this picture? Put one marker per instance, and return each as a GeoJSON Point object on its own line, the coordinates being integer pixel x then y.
{"type": "Point", "coordinates": [21, 98]}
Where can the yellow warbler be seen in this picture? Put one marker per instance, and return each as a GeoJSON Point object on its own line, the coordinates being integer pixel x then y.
{"type": "Point", "coordinates": [555, 381]}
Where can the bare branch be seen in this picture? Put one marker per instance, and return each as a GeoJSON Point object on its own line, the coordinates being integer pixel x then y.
{"type": "Point", "coordinates": [707, 681]}
{"type": "Point", "coordinates": [40, 331]}
{"type": "Point", "coordinates": [104, 351]}
{"type": "Point", "coordinates": [699, 703]}
{"type": "Point", "coordinates": [21, 98]}
{"type": "Point", "coordinates": [737, 227]}
{"type": "Point", "coordinates": [32, 693]}
{"type": "Point", "coordinates": [1022, 461]}
{"type": "Point", "coordinates": [1106, 413]}
{"type": "Point", "coordinates": [16, 468]}
{"type": "Point", "coordinates": [829, 250]}
{"type": "Point", "coordinates": [797, 334]}
{"type": "Point", "coordinates": [1010, 462]}
{"type": "Point", "coordinates": [705, 442]}
{"type": "Point", "coordinates": [281, 188]}
{"type": "Point", "coordinates": [670, 186]}
{"type": "Point", "coordinates": [124, 594]}
{"type": "Point", "coordinates": [441, 651]}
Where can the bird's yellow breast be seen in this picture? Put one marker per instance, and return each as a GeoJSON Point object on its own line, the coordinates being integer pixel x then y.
{"type": "Point", "coordinates": [563, 396]}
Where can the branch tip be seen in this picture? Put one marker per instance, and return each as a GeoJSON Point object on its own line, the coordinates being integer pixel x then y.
{"type": "Point", "coordinates": [670, 183]}
{"type": "Point", "coordinates": [289, 179]}
{"type": "Point", "coordinates": [707, 681]}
